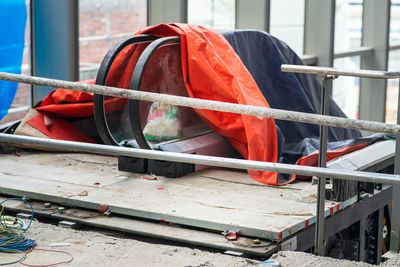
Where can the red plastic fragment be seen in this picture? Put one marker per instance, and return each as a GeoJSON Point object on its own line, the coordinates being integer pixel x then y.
{"type": "Point", "coordinates": [97, 183]}
{"type": "Point", "coordinates": [150, 178]}
{"type": "Point", "coordinates": [160, 188]}
{"type": "Point", "coordinates": [103, 208]}
{"type": "Point", "coordinates": [232, 235]}
{"type": "Point", "coordinates": [17, 155]}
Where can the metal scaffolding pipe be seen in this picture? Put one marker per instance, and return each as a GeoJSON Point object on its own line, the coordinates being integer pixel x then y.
{"type": "Point", "coordinates": [324, 71]}
{"type": "Point", "coordinates": [203, 160]}
{"type": "Point", "coordinates": [208, 104]}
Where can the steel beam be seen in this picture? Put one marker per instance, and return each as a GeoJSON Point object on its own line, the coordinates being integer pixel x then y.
{"type": "Point", "coordinates": [55, 42]}
{"type": "Point", "coordinates": [375, 34]}
{"type": "Point", "coordinates": [319, 30]}
{"type": "Point", "coordinates": [163, 11]}
{"type": "Point", "coordinates": [253, 16]}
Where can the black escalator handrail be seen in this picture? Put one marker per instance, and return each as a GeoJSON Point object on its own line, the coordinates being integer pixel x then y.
{"type": "Point", "coordinates": [98, 100]}
{"type": "Point", "coordinates": [135, 85]}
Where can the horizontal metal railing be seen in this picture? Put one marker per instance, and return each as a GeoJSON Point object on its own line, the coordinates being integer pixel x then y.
{"type": "Point", "coordinates": [360, 51]}
{"type": "Point", "coordinates": [323, 71]}
{"type": "Point", "coordinates": [207, 104]}
{"type": "Point", "coordinates": [327, 74]}
{"type": "Point", "coordinates": [324, 120]}
{"type": "Point", "coordinates": [203, 160]}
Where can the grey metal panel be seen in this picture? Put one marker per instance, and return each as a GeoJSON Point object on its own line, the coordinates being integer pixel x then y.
{"type": "Point", "coordinates": [163, 11]}
{"type": "Point", "coordinates": [366, 158]}
{"type": "Point", "coordinates": [375, 34]}
{"type": "Point", "coordinates": [253, 16]}
{"type": "Point", "coordinates": [55, 46]}
{"type": "Point", "coordinates": [319, 30]}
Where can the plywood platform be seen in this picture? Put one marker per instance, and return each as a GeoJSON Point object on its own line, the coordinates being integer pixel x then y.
{"type": "Point", "coordinates": [212, 198]}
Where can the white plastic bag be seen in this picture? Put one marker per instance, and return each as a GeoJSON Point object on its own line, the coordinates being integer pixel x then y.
{"type": "Point", "coordinates": [163, 123]}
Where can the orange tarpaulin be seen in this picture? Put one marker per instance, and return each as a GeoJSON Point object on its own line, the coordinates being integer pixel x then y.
{"type": "Point", "coordinates": [212, 70]}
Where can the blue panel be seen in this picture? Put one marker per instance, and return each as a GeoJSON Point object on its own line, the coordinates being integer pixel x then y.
{"type": "Point", "coordinates": [12, 37]}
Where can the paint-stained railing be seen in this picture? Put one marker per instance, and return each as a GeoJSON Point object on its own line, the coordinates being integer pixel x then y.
{"type": "Point", "coordinates": [327, 75]}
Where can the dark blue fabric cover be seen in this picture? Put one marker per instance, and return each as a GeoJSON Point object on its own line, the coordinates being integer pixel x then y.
{"type": "Point", "coordinates": [263, 56]}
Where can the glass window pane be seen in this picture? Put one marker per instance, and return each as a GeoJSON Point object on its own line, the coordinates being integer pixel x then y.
{"type": "Point", "coordinates": [348, 24]}
{"type": "Point", "coordinates": [101, 24]}
{"type": "Point", "coordinates": [217, 14]}
{"type": "Point", "coordinates": [392, 88]}
{"type": "Point", "coordinates": [287, 23]}
{"type": "Point", "coordinates": [394, 36]}
{"type": "Point", "coordinates": [346, 90]}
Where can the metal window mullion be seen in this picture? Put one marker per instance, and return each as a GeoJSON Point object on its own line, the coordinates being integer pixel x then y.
{"type": "Point", "coordinates": [375, 34]}
{"type": "Point", "coordinates": [55, 42]}
{"type": "Point", "coordinates": [253, 16]}
{"type": "Point", "coordinates": [319, 30]}
{"type": "Point", "coordinates": [166, 11]}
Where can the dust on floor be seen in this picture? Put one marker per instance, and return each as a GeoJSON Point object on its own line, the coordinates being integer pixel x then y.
{"type": "Point", "coordinates": [90, 248]}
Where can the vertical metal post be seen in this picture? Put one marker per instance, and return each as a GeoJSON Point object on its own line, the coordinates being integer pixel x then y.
{"type": "Point", "coordinates": [55, 42]}
{"type": "Point", "coordinates": [395, 218]}
{"type": "Point", "coordinates": [375, 34]}
{"type": "Point", "coordinates": [379, 234]}
{"type": "Point", "coordinates": [362, 251]}
{"type": "Point", "coordinates": [323, 147]}
{"type": "Point", "coordinates": [163, 11]}
{"type": "Point", "coordinates": [254, 16]}
{"type": "Point", "coordinates": [319, 29]}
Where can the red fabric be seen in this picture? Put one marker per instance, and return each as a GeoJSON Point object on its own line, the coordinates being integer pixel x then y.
{"type": "Point", "coordinates": [73, 104]}
{"type": "Point", "coordinates": [212, 70]}
{"type": "Point", "coordinates": [63, 103]}
{"type": "Point", "coordinates": [312, 159]}
{"type": "Point", "coordinates": [57, 128]}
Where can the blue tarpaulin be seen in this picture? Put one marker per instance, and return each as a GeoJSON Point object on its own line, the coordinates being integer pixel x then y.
{"type": "Point", "coordinates": [12, 38]}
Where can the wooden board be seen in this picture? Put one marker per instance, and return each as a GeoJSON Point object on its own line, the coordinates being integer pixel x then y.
{"type": "Point", "coordinates": [212, 198]}
{"type": "Point", "coordinates": [157, 230]}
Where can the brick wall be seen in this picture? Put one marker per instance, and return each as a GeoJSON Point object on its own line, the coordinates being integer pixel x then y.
{"type": "Point", "coordinates": [101, 24]}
